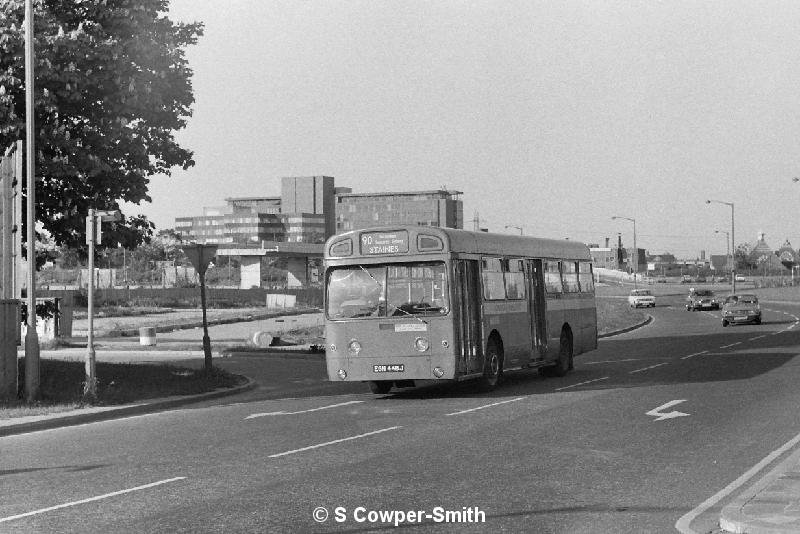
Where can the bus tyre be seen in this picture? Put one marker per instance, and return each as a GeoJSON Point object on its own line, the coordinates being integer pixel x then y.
{"type": "Point", "coordinates": [493, 366]}
{"type": "Point", "coordinates": [564, 362]}
{"type": "Point", "coordinates": [380, 387]}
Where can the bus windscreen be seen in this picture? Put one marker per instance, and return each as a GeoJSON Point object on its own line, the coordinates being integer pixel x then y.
{"type": "Point", "coordinates": [392, 290]}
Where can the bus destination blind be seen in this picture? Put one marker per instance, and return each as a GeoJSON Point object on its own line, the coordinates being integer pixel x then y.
{"type": "Point", "coordinates": [376, 243]}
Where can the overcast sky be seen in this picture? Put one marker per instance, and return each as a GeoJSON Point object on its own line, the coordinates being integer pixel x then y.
{"type": "Point", "coordinates": [553, 116]}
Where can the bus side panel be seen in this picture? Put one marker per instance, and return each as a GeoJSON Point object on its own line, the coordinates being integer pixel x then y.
{"type": "Point", "coordinates": [512, 321]}
{"type": "Point", "coordinates": [556, 305]}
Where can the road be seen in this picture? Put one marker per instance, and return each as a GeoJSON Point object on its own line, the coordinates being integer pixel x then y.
{"type": "Point", "coordinates": [653, 432]}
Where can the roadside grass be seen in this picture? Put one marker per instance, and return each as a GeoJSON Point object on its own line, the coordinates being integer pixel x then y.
{"type": "Point", "coordinates": [62, 384]}
{"type": "Point", "coordinates": [615, 314]}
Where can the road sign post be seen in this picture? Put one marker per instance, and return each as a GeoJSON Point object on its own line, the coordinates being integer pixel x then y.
{"type": "Point", "coordinates": [93, 222]}
{"type": "Point", "coordinates": [200, 256]}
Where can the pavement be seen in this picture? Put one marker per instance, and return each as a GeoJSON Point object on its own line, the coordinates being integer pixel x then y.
{"type": "Point", "coordinates": [771, 505]}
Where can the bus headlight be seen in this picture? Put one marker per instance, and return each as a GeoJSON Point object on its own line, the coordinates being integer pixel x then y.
{"type": "Point", "coordinates": [341, 373]}
{"type": "Point", "coordinates": [438, 372]}
{"type": "Point", "coordinates": [421, 344]}
{"type": "Point", "coordinates": [354, 347]}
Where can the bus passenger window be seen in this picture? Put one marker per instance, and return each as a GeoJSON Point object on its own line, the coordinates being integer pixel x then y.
{"type": "Point", "coordinates": [570, 275]}
{"type": "Point", "coordinates": [492, 277]}
{"type": "Point", "coordinates": [552, 277]}
{"type": "Point", "coordinates": [514, 279]}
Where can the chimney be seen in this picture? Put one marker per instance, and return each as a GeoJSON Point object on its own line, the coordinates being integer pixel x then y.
{"type": "Point", "coordinates": [608, 239]}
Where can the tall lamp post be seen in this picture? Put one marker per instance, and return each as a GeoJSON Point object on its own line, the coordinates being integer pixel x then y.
{"type": "Point", "coordinates": [32, 352]}
{"type": "Point", "coordinates": [517, 227]}
{"type": "Point", "coordinates": [727, 249]}
{"type": "Point", "coordinates": [635, 250]}
{"type": "Point", "coordinates": [733, 243]}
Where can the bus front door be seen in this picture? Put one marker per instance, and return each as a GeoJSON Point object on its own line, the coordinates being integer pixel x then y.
{"type": "Point", "coordinates": [537, 305]}
{"type": "Point", "coordinates": [468, 301]}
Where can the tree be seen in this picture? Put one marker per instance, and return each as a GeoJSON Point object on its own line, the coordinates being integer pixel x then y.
{"type": "Point", "coordinates": [742, 257]}
{"type": "Point", "coordinates": [111, 86]}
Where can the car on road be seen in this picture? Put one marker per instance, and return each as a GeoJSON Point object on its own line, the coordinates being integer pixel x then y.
{"type": "Point", "coordinates": [641, 297]}
{"type": "Point", "coordinates": [740, 278]}
{"type": "Point", "coordinates": [701, 299]}
{"type": "Point", "coordinates": [741, 308]}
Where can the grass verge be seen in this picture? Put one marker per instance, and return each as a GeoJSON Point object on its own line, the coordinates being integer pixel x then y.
{"type": "Point", "coordinates": [62, 385]}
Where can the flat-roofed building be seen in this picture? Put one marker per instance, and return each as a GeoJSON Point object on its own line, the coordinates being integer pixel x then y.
{"type": "Point", "coordinates": [440, 207]}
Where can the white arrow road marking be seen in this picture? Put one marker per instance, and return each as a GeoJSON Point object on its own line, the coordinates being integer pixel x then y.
{"type": "Point", "coordinates": [660, 416]}
{"type": "Point", "coordinates": [253, 416]}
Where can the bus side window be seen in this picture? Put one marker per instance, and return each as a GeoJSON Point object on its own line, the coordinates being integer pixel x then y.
{"type": "Point", "coordinates": [585, 276]}
{"type": "Point", "coordinates": [552, 277]}
{"type": "Point", "coordinates": [492, 278]}
{"type": "Point", "coordinates": [570, 275]}
{"type": "Point", "coordinates": [514, 279]}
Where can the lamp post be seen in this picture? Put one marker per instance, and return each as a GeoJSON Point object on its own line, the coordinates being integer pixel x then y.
{"type": "Point", "coordinates": [32, 352]}
{"type": "Point", "coordinates": [517, 227]}
{"type": "Point", "coordinates": [635, 250]}
{"type": "Point", "coordinates": [727, 249]}
{"type": "Point", "coordinates": [733, 243]}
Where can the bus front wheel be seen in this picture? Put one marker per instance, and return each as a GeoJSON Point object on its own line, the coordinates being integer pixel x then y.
{"type": "Point", "coordinates": [493, 366]}
{"type": "Point", "coordinates": [381, 387]}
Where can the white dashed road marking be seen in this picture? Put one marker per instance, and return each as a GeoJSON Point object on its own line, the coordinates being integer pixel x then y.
{"type": "Point", "coordinates": [91, 499]}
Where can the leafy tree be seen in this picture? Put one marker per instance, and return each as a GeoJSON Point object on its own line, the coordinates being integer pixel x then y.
{"type": "Point", "coordinates": [742, 257]}
{"type": "Point", "coordinates": [112, 85]}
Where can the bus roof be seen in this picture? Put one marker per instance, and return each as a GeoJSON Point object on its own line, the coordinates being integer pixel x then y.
{"type": "Point", "coordinates": [464, 241]}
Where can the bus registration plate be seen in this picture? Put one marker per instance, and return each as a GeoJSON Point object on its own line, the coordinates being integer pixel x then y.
{"type": "Point", "coordinates": [394, 368]}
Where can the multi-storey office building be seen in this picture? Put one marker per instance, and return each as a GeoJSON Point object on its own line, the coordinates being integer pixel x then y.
{"type": "Point", "coordinates": [427, 208]}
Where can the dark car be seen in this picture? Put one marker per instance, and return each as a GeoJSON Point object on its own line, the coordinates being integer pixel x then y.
{"type": "Point", "coordinates": [701, 299]}
{"type": "Point", "coordinates": [741, 308]}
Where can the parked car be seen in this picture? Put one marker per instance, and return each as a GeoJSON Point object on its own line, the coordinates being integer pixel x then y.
{"type": "Point", "coordinates": [741, 308]}
{"type": "Point", "coordinates": [686, 279]}
{"type": "Point", "coordinates": [740, 278]}
{"type": "Point", "coordinates": [662, 280]}
{"type": "Point", "coordinates": [701, 299]}
{"type": "Point", "coordinates": [641, 297]}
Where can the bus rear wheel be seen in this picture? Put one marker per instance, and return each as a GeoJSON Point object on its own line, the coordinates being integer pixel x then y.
{"type": "Point", "coordinates": [564, 362]}
{"type": "Point", "coordinates": [493, 366]}
{"type": "Point", "coordinates": [380, 387]}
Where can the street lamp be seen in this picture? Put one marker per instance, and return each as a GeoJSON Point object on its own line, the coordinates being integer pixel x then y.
{"type": "Point", "coordinates": [727, 249]}
{"type": "Point", "coordinates": [517, 227]}
{"type": "Point", "coordinates": [733, 243]}
{"type": "Point", "coordinates": [635, 250]}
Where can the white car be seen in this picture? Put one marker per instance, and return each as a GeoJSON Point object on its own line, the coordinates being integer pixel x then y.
{"type": "Point", "coordinates": [641, 297]}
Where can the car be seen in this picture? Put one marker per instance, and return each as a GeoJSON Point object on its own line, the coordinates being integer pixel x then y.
{"type": "Point", "coordinates": [686, 279]}
{"type": "Point", "coordinates": [740, 278]}
{"type": "Point", "coordinates": [741, 308]}
{"type": "Point", "coordinates": [661, 280]}
{"type": "Point", "coordinates": [701, 299]}
{"type": "Point", "coordinates": [641, 297]}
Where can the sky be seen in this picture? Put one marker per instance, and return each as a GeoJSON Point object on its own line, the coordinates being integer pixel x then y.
{"type": "Point", "coordinates": [551, 116]}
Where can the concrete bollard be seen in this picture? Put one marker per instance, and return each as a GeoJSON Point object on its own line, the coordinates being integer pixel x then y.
{"type": "Point", "coordinates": [147, 336]}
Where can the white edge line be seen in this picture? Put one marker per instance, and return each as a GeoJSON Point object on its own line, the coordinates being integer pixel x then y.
{"type": "Point", "coordinates": [91, 499]}
{"type": "Point", "coordinates": [683, 523]}
{"type": "Point", "coordinates": [485, 406]}
{"type": "Point", "coordinates": [333, 442]}
{"type": "Point", "coordinates": [583, 383]}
